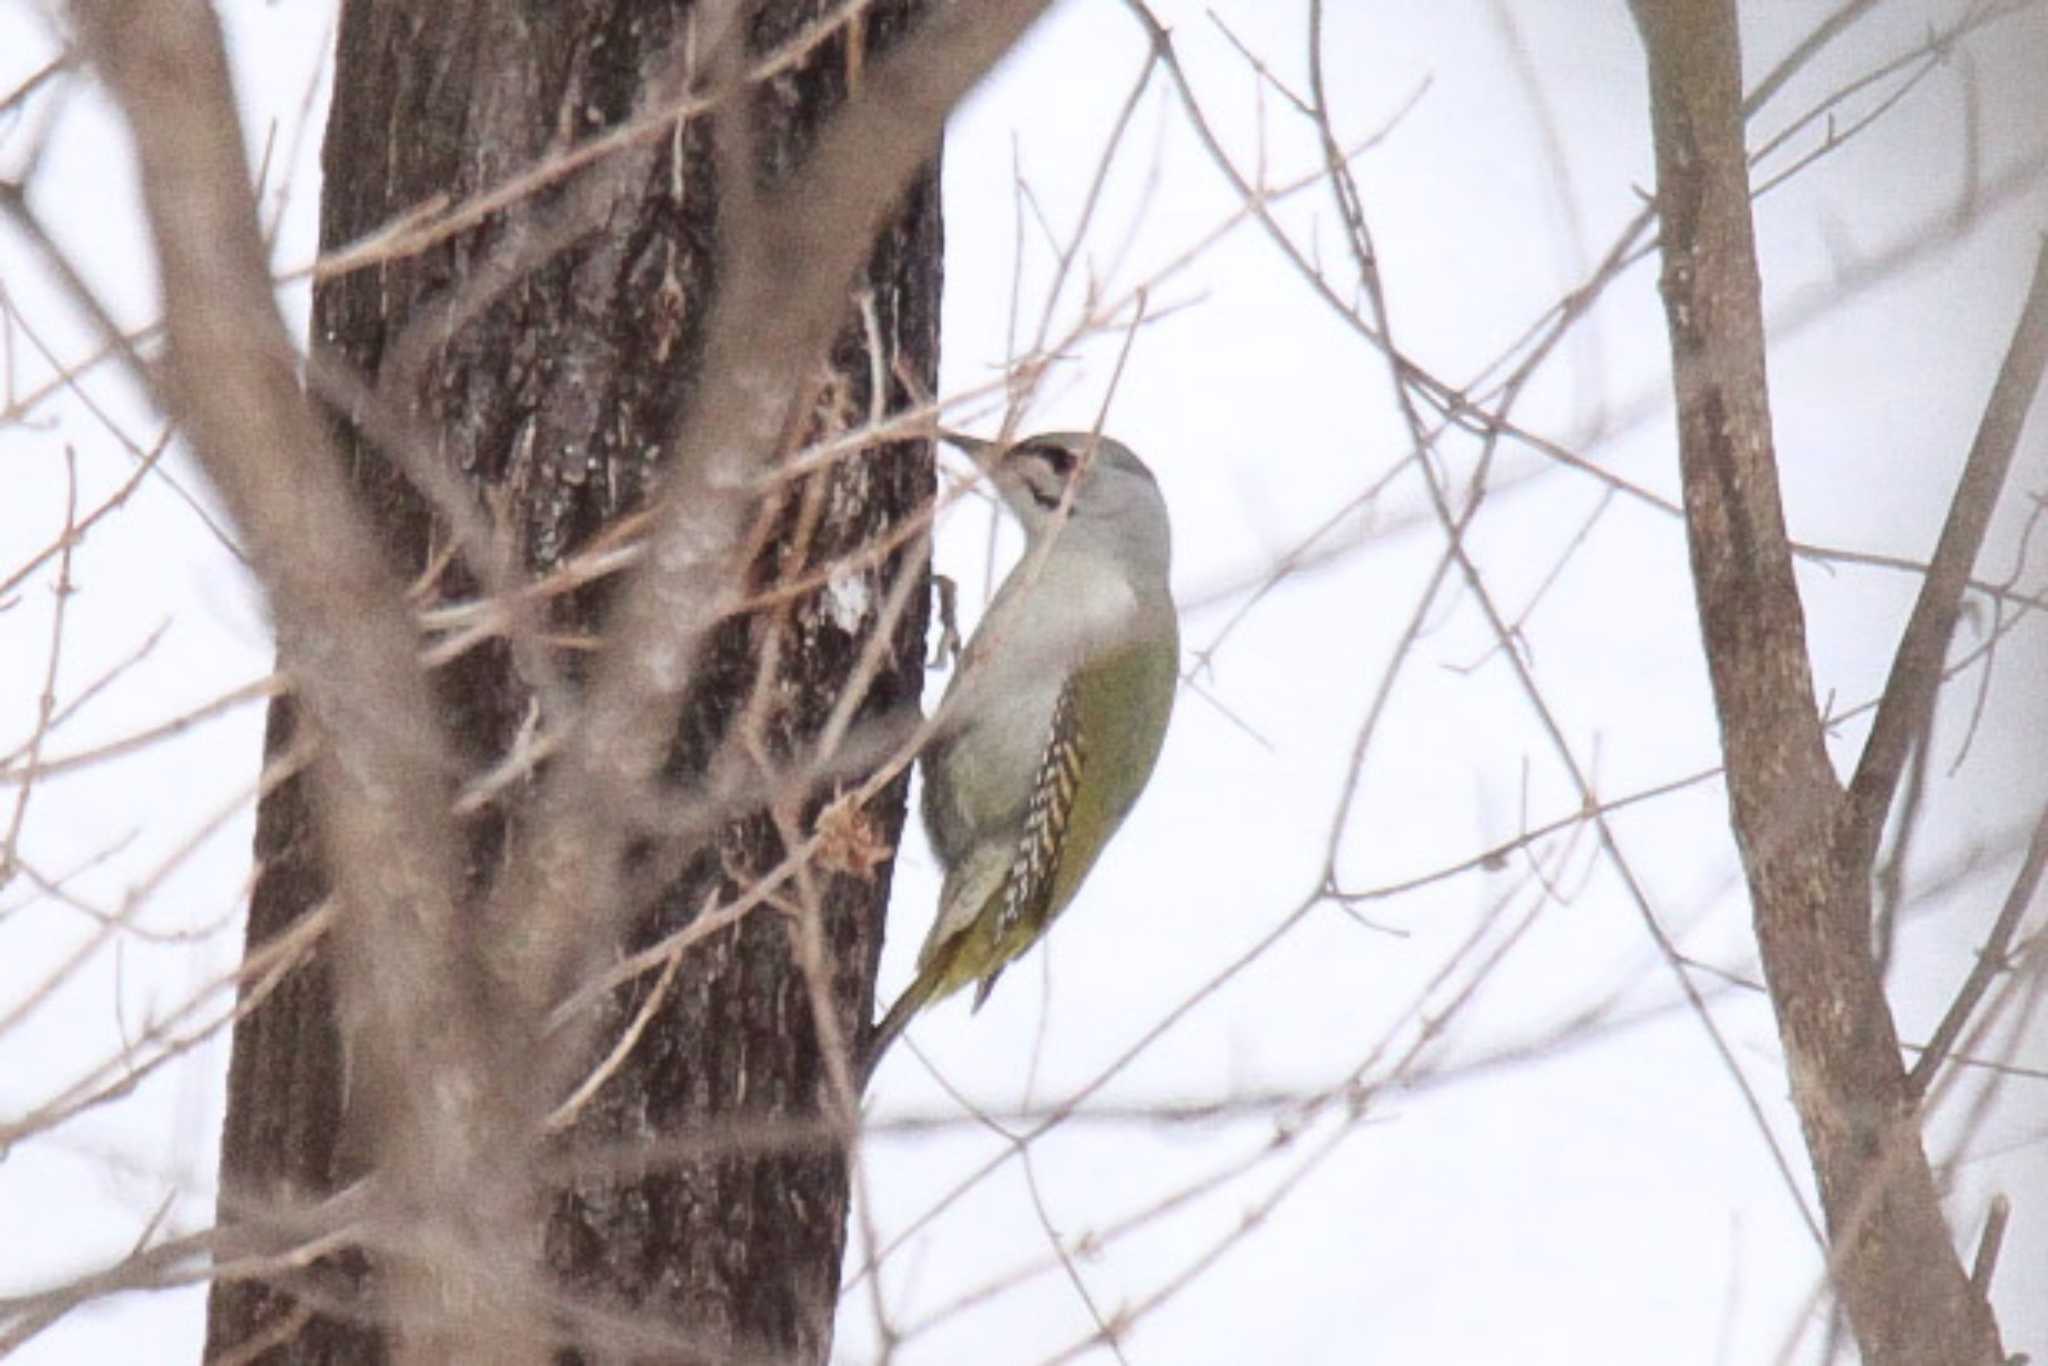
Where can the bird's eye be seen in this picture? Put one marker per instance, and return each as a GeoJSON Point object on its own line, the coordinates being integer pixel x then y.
{"type": "Point", "coordinates": [1059, 458]}
{"type": "Point", "coordinates": [1044, 469]}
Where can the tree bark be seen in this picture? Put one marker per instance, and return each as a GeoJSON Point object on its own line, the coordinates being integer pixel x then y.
{"type": "Point", "coordinates": [547, 354]}
{"type": "Point", "coordinates": [1806, 863]}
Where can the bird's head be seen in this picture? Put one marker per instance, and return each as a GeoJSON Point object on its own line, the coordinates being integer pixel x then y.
{"type": "Point", "coordinates": [1112, 488]}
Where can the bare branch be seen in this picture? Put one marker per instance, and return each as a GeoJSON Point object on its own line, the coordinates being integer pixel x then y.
{"type": "Point", "coordinates": [1916, 667]}
{"type": "Point", "coordinates": [434, 1079]}
{"type": "Point", "coordinates": [1991, 960]}
{"type": "Point", "coordinates": [1905, 1291]}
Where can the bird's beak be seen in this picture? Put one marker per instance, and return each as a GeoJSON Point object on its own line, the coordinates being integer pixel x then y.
{"type": "Point", "coordinates": [987, 455]}
{"type": "Point", "coordinates": [981, 451]}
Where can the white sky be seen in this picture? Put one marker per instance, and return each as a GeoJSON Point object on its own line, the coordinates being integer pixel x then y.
{"type": "Point", "coordinates": [1613, 1202]}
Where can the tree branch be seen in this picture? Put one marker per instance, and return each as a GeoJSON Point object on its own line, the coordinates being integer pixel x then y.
{"type": "Point", "coordinates": [1916, 669]}
{"type": "Point", "coordinates": [1991, 961]}
{"type": "Point", "coordinates": [432, 1060]}
{"type": "Point", "coordinates": [1907, 1296]}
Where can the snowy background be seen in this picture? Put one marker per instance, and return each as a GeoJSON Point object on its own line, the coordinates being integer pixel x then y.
{"type": "Point", "coordinates": [1514, 1188]}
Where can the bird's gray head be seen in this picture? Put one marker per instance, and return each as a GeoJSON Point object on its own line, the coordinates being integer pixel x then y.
{"type": "Point", "coordinates": [1115, 494]}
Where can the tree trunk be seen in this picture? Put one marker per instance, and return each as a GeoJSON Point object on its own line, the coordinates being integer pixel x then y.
{"type": "Point", "coordinates": [547, 353]}
{"type": "Point", "coordinates": [1806, 854]}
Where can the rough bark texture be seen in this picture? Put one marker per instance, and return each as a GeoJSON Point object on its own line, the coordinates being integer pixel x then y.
{"type": "Point", "coordinates": [1894, 1267]}
{"type": "Point", "coordinates": [553, 390]}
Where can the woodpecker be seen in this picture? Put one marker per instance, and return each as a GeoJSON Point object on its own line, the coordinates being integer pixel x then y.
{"type": "Point", "coordinates": [1055, 714]}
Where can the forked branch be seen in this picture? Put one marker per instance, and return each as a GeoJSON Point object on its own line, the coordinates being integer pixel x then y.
{"type": "Point", "coordinates": [1908, 1297]}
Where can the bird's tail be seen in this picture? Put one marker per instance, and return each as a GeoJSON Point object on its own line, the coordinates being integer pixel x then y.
{"type": "Point", "coordinates": [914, 998]}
